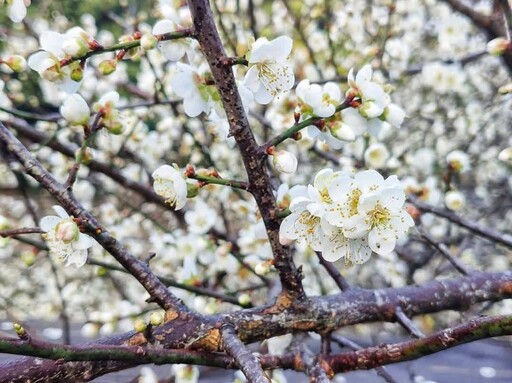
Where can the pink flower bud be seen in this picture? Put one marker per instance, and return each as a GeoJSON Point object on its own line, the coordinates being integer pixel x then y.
{"type": "Point", "coordinates": [67, 231]}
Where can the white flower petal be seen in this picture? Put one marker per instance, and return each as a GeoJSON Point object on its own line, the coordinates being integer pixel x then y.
{"type": "Point", "coordinates": [49, 222]}
{"type": "Point", "coordinates": [60, 211]}
{"type": "Point", "coordinates": [17, 11]}
{"type": "Point", "coordinates": [382, 242]}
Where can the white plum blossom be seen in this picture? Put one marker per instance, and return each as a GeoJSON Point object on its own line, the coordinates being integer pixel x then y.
{"type": "Point", "coordinates": [17, 9]}
{"type": "Point", "coordinates": [458, 161]}
{"type": "Point", "coordinates": [188, 84]}
{"type": "Point", "coordinates": [170, 183]}
{"type": "Point", "coordinates": [372, 102]}
{"type": "Point", "coordinates": [201, 218]}
{"type": "Point", "coordinates": [270, 71]}
{"type": "Point", "coordinates": [372, 96]}
{"type": "Point", "coordinates": [110, 116]}
{"type": "Point", "coordinates": [307, 219]}
{"type": "Point", "coordinates": [376, 156]}
{"type": "Point", "coordinates": [454, 200]}
{"type": "Point", "coordinates": [317, 100]}
{"type": "Point", "coordinates": [47, 62]}
{"type": "Point", "coordinates": [382, 217]}
{"type": "Point", "coordinates": [64, 237]}
{"type": "Point", "coordinates": [75, 110]}
{"type": "Point", "coordinates": [285, 162]}
{"type": "Point", "coordinates": [173, 50]}
{"type": "Point", "coordinates": [349, 216]}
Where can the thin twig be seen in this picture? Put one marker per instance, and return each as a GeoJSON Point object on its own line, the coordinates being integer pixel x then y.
{"type": "Point", "coordinates": [441, 247]}
{"type": "Point", "coordinates": [334, 273]}
{"type": "Point", "coordinates": [504, 239]}
{"type": "Point", "coordinates": [407, 323]}
{"type": "Point", "coordinates": [345, 342]}
{"type": "Point", "coordinates": [245, 360]}
{"type": "Point", "coordinates": [138, 269]}
{"type": "Point", "coordinates": [24, 230]}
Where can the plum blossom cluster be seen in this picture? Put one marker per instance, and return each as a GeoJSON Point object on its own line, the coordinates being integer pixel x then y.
{"type": "Point", "coordinates": [57, 48]}
{"type": "Point", "coordinates": [348, 216]}
{"type": "Point", "coordinates": [369, 107]}
{"type": "Point", "coordinates": [64, 238]}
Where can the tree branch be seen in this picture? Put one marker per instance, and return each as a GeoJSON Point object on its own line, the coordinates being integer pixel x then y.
{"type": "Point", "coordinates": [245, 360]}
{"type": "Point", "coordinates": [157, 290]}
{"type": "Point", "coordinates": [504, 239]}
{"type": "Point", "coordinates": [475, 329]}
{"type": "Point", "coordinates": [319, 314]}
{"type": "Point", "coordinates": [252, 155]}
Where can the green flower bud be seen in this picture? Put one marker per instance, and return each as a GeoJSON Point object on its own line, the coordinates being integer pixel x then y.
{"type": "Point", "coordinates": [148, 41]}
{"type": "Point", "coordinates": [156, 318]}
{"type": "Point", "coordinates": [139, 325]}
{"type": "Point", "coordinates": [107, 67]}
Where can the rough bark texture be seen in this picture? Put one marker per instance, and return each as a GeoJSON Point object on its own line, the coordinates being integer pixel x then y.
{"type": "Point", "coordinates": [253, 156]}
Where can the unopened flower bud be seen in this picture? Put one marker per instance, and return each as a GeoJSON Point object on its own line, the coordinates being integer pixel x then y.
{"type": "Point", "coordinates": [115, 128]}
{"type": "Point", "coordinates": [285, 162]}
{"type": "Point", "coordinates": [16, 63]}
{"type": "Point", "coordinates": [156, 318]}
{"type": "Point", "coordinates": [343, 132]}
{"type": "Point", "coordinates": [498, 46]}
{"type": "Point", "coordinates": [506, 155]}
{"type": "Point", "coordinates": [67, 231]}
{"type": "Point", "coordinates": [75, 47]}
{"type": "Point", "coordinates": [262, 268]}
{"type": "Point", "coordinates": [107, 67]}
{"type": "Point", "coordinates": [148, 41]}
{"type": "Point", "coordinates": [505, 89]}
{"type": "Point", "coordinates": [370, 109]}
{"type": "Point", "coordinates": [89, 330]}
{"type": "Point", "coordinates": [75, 110]}
{"type": "Point", "coordinates": [394, 115]}
{"type": "Point", "coordinates": [192, 190]}
{"type": "Point", "coordinates": [139, 325]}
{"type": "Point", "coordinates": [87, 156]}
{"type": "Point", "coordinates": [28, 258]}
{"type": "Point", "coordinates": [244, 299]}
{"type": "Point", "coordinates": [77, 74]}
{"type": "Point", "coordinates": [20, 331]}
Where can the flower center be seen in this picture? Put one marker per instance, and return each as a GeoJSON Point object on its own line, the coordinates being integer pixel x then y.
{"type": "Point", "coordinates": [324, 194]}
{"type": "Point", "coordinates": [378, 216]}
{"type": "Point", "coordinates": [269, 77]}
{"type": "Point", "coordinates": [310, 221]}
{"type": "Point", "coordinates": [353, 202]}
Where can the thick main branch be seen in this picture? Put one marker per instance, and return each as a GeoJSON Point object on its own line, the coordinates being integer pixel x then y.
{"type": "Point", "coordinates": [252, 156]}
{"type": "Point", "coordinates": [319, 314]}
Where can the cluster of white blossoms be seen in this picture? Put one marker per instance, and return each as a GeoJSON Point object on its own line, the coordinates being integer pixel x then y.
{"type": "Point", "coordinates": [369, 108]}
{"type": "Point", "coordinates": [348, 216]}
{"type": "Point", "coordinates": [57, 48]}
{"type": "Point", "coordinates": [64, 238]}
